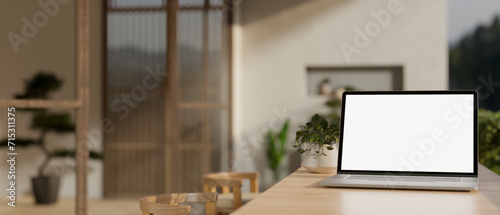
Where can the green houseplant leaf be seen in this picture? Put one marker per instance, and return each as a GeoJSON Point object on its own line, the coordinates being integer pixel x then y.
{"type": "Point", "coordinates": [275, 152]}
{"type": "Point", "coordinates": [71, 153]}
{"type": "Point", "coordinates": [40, 86]}
{"type": "Point", "coordinates": [58, 122]}
{"type": "Point", "coordinates": [317, 133]}
{"type": "Point", "coordinates": [18, 142]}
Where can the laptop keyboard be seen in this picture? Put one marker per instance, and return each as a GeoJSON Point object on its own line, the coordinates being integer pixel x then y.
{"type": "Point", "coordinates": [402, 178]}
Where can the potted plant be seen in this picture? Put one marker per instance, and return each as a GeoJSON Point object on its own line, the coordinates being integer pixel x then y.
{"type": "Point", "coordinates": [325, 88]}
{"type": "Point", "coordinates": [317, 140]}
{"type": "Point", "coordinates": [276, 152]}
{"type": "Point", "coordinates": [45, 187]}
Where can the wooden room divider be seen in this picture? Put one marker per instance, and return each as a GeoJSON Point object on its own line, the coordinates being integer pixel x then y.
{"type": "Point", "coordinates": [81, 103]}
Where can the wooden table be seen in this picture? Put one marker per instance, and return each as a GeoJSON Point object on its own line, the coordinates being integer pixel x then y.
{"type": "Point", "coordinates": [299, 193]}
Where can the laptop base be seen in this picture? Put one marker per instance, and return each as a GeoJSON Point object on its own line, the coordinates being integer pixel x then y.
{"type": "Point", "coordinates": [342, 180]}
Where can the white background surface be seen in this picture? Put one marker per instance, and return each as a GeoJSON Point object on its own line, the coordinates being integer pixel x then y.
{"type": "Point", "coordinates": [382, 132]}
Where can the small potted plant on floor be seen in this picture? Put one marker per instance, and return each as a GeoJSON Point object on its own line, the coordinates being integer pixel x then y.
{"type": "Point", "coordinates": [317, 140]}
{"type": "Point", "coordinates": [276, 152]}
{"type": "Point", "coordinates": [46, 186]}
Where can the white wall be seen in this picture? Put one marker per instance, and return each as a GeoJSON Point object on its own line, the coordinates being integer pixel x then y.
{"type": "Point", "coordinates": [51, 49]}
{"type": "Point", "coordinates": [274, 42]}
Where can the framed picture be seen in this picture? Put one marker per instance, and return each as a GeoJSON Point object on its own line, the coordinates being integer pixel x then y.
{"type": "Point", "coordinates": [326, 80]}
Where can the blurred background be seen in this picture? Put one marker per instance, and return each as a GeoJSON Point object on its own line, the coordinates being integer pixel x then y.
{"type": "Point", "coordinates": [244, 68]}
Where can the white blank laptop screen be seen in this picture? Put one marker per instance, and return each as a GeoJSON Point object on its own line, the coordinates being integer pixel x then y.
{"type": "Point", "coordinates": [418, 133]}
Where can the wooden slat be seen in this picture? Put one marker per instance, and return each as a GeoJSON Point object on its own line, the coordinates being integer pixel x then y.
{"type": "Point", "coordinates": [194, 146]}
{"type": "Point", "coordinates": [136, 9]}
{"type": "Point", "coordinates": [133, 146]}
{"type": "Point", "coordinates": [213, 182]}
{"type": "Point", "coordinates": [35, 103]}
{"type": "Point", "coordinates": [104, 54]}
{"type": "Point", "coordinates": [237, 197]}
{"type": "Point", "coordinates": [184, 197]}
{"type": "Point", "coordinates": [206, 153]}
{"type": "Point", "coordinates": [210, 208]}
{"type": "Point", "coordinates": [193, 8]}
{"type": "Point", "coordinates": [201, 105]}
{"type": "Point", "coordinates": [254, 185]}
{"type": "Point", "coordinates": [82, 95]}
{"type": "Point", "coordinates": [152, 146]}
{"type": "Point", "coordinates": [208, 188]}
{"type": "Point", "coordinates": [229, 53]}
{"type": "Point", "coordinates": [172, 132]}
{"type": "Point", "coordinates": [158, 9]}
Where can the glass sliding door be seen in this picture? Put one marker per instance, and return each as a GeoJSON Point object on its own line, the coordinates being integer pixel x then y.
{"type": "Point", "coordinates": [141, 157]}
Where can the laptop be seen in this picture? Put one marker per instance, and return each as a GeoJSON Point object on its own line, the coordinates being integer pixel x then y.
{"type": "Point", "coordinates": [408, 140]}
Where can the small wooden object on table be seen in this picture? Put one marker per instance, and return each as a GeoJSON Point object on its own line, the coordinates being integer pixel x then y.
{"type": "Point", "coordinates": [168, 204]}
{"type": "Point", "coordinates": [227, 181]}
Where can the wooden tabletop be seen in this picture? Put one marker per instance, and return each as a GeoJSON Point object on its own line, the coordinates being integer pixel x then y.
{"type": "Point", "coordinates": [299, 193]}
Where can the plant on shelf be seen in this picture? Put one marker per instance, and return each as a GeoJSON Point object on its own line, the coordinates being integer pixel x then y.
{"type": "Point", "coordinates": [39, 87]}
{"type": "Point", "coordinates": [276, 152]}
{"type": "Point", "coordinates": [335, 103]}
{"type": "Point", "coordinates": [324, 87]}
{"type": "Point", "coordinates": [317, 135]}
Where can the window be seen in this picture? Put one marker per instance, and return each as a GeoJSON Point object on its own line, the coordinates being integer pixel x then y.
{"type": "Point", "coordinates": [164, 143]}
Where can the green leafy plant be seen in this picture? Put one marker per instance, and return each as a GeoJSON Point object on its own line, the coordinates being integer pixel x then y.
{"type": "Point", "coordinates": [315, 134]}
{"type": "Point", "coordinates": [276, 152]}
{"type": "Point", "coordinates": [39, 87]}
{"type": "Point", "coordinates": [489, 139]}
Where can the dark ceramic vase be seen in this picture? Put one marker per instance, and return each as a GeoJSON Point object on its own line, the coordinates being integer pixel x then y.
{"type": "Point", "coordinates": [45, 189]}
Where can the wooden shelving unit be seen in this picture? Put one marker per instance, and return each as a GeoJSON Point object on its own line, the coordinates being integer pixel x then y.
{"type": "Point", "coordinates": [81, 103]}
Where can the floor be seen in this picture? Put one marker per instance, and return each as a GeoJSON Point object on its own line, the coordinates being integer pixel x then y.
{"type": "Point", "coordinates": [26, 206]}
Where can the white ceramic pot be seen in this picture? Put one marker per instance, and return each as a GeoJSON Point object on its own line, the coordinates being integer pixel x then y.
{"type": "Point", "coordinates": [325, 89]}
{"type": "Point", "coordinates": [321, 163]}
